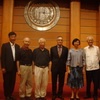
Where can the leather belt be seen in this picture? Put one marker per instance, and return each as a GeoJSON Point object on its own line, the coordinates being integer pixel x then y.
{"type": "Point", "coordinates": [27, 64]}
{"type": "Point", "coordinates": [42, 66]}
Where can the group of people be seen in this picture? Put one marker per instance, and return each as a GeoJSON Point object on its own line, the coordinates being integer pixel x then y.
{"type": "Point", "coordinates": [76, 61]}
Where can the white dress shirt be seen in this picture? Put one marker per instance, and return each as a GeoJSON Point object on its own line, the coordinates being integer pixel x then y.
{"type": "Point", "coordinates": [92, 57]}
{"type": "Point", "coordinates": [13, 50]}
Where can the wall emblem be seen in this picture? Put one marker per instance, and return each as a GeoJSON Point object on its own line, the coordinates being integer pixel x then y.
{"type": "Point", "coordinates": [42, 16]}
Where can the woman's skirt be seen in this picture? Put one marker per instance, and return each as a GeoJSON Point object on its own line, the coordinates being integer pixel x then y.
{"type": "Point", "coordinates": [75, 77]}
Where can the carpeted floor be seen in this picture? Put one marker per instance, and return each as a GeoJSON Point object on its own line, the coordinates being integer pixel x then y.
{"type": "Point", "coordinates": [66, 94]}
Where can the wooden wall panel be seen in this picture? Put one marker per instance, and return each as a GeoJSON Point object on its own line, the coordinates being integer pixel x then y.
{"type": "Point", "coordinates": [88, 25]}
{"type": "Point", "coordinates": [89, 30]}
{"type": "Point", "coordinates": [21, 20]}
{"type": "Point", "coordinates": [39, 34]}
{"type": "Point", "coordinates": [98, 26]}
{"type": "Point", "coordinates": [0, 22]}
{"type": "Point", "coordinates": [88, 14]}
{"type": "Point", "coordinates": [26, 27]}
{"type": "Point", "coordinates": [21, 27]}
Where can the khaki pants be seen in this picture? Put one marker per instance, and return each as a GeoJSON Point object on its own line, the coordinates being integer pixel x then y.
{"type": "Point", "coordinates": [41, 81]}
{"type": "Point", "coordinates": [26, 81]}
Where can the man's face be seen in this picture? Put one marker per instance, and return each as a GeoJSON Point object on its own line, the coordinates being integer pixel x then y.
{"type": "Point", "coordinates": [26, 42]}
{"type": "Point", "coordinates": [12, 38]}
{"type": "Point", "coordinates": [90, 42]}
{"type": "Point", "coordinates": [42, 45]}
{"type": "Point", "coordinates": [59, 41]}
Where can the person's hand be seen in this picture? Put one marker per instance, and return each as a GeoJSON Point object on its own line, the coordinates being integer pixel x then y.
{"type": "Point", "coordinates": [3, 70]}
{"type": "Point", "coordinates": [33, 71]}
{"type": "Point", "coordinates": [19, 73]}
{"type": "Point", "coordinates": [68, 70]}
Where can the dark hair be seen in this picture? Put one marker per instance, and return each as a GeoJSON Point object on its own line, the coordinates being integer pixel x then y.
{"type": "Point", "coordinates": [11, 33]}
{"type": "Point", "coordinates": [75, 40]}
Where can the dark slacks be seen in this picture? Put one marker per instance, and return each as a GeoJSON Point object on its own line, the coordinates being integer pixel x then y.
{"type": "Point", "coordinates": [92, 76]}
{"type": "Point", "coordinates": [57, 78]}
{"type": "Point", "coordinates": [9, 82]}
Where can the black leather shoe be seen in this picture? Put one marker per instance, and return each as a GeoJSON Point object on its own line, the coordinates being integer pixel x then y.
{"type": "Point", "coordinates": [61, 97]}
{"type": "Point", "coordinates": [87, 97]}
{"type": "Point", "coordinates": [22, 98]}
{"type": "Point", "coordinates": [43, 98]}
{"type": "Point", "coordinates": [39, 98]}
{"type": "Point", "coordinates": [7, 98]}
{"type": "Point", "coordinates": [77, 98]}
{"type": "Point", "coordinates": [72, 99]}
{"type": "Point", "coordinates": [12, 98]}
{"type": "Point", "coordinates": [53, 97]}
{"type": "Point", "coordinates": [28, 98]}
{"type": "Point", "coordinates": [95, 98]}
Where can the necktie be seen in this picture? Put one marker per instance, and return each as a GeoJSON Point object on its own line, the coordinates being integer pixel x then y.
{"type": "Point", "coordinates": [59, 51]}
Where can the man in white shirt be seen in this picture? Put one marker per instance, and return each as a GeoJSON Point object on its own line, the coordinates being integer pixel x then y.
{"type": "Point", "coordinates": [92, 67]}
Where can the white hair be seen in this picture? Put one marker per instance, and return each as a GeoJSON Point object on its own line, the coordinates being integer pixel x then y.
{"type": "Point", "coordinates": [26, 38]}
{"type": "Point", "coordinates": [42, 40]}
{"type": "Point", "coordinates": [89, 38]}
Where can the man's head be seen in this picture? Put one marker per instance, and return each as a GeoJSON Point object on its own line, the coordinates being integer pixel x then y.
{"type": "Point", "coordinates": [59, 40]}
{"type": "Point", "coordinates": [26, 41]}
{"type": "Point", "coordinates": [41, 42]}
{"type": "Point", "coordinates": [12, 37]}
{"type": "Point", "coordinates": [90, 40]}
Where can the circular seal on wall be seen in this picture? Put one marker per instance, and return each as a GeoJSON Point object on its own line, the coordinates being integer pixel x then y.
{"type": "Point", "coordinates": [42, 16]}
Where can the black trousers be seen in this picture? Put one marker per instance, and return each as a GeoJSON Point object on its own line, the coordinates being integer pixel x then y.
{"type": "Point", "coordinates": [9, 82]}
{"type": "Point", "coordinates": [92, 76]}
{"type": "Point", "coordinates": [57, 79]}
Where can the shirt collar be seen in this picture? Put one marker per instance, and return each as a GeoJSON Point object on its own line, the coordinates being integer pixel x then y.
{"type": "Point", "coordinates": [91, 46]}
{"type": "Point", "coordinates": [12, 44]}
{"type": "Point", "coordinates": [59, 46]}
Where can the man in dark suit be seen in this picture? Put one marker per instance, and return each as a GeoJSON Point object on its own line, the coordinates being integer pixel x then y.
{"type": "Point", "coordinates": [59, 55]}
{"type": "Point", "coordinates": [9, 52]}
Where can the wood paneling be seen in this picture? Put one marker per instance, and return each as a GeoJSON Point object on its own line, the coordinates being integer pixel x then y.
{"type": "Point", "coordinates": [84, 36]}
{"type": "Point", "coordinates": [22, 29]}
{"type": "Point", "coordinates": [88, 14]}
{"type": "Point", "coordinates": [21, 20]}
{"type": "Point", "coordinates": [98, 26]}
{"type": "Point", "coordinates": [37, 35]}
{"type": "Point", "coordinates": [0, 22]}
{"type": "Point", "coordinates": [7, 19]}
{"type": "Point", "coordinates": [26, 27]}
{"type": "Point", "coordinates": [89, 30]}
{"type": "Point", "coordinates": [74, 19]}
{"type": "Point", "coordinates": [88, 25]}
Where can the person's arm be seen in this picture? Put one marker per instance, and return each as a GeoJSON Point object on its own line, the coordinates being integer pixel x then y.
{"type": "Point", "coordinates": [99, 55]}
{"type": "Point", "coordinates": [33, 67]}
{"type": "Point", "coordinates": [18, 62]}
{"type": "Point", "coordinates": [68, 61]}
{"type": "Point", "coordinates": [33, 60]}
{"type": "Point", "coordinates": [68, 68]}
{"type": "Point", "coordinates": [18, 67]}
{"type": "Point", "coordinates": [3, 58]}
{"type": "Point", "coordinates": [84, 61]}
